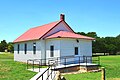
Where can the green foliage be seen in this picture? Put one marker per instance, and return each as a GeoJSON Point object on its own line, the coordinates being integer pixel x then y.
{"type": "Point", "coordinates": [6, 46]}
{"type": "Point", "coordinates": [82, 33]}
{"type": "Point", "coordinates": [90, 34]}
{"type": "Point", "coordinates": [10, 47]}
{"type": "Point", "coordinates": [3, 46]}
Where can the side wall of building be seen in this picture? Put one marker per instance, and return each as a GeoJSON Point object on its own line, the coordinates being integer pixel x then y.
{"type": "Point", "coordinates": [56, 44]}
{"type": "Point", "coordinates": [67, 47]}
{"type": "Point", "coordinates": [21, 56]}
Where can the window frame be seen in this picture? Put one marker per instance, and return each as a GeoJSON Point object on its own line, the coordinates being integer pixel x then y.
{"type": "Point", "coordinates": [76, 50]}
{"type": "Point", "coordinates": [34, 48]}
{"type": "Point", "coordinates": [52, 51]}
{"type": "Point", "coordinates": [25, 48]}
{"type": "Point", "coordinates": [18, 48]}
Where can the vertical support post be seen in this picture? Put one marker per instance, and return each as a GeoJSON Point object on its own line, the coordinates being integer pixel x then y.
{"type": "Point", "coordinates": [42, 76]}
{"type": "Point", "coordinates": [79, 60]}
{"type": "Point", "coordinates": [83, 59]}
{"type": "Point", "coordinates": [27, 64]}
{"type": "Point", "coordinates": [54, 69]}
{"type": "Point", "coordinates": [41, 62]}
{"type": "Point", "coordinates": [57, 61]}
{"type": "Point", "coordinates": [73, 60]}
{"type": "Point", "coordinates": [65, 62]}
{"type": "Point", "coordinates": [39, 66]}
{"type": "Point", "coordinates": [103, 73]}
{"type": "Point", "coordinates": [44, 62]}
{"type": "Point", "coordinates": [33, 65]}
{"type": "Point", "coordinates": [86, 60]}
{"type": "Point", "coordinates": [91, 59]}
{"type": "Point", "coordinates": [48, 73]}
{"type": "Point", "coordinates": [51, 72]}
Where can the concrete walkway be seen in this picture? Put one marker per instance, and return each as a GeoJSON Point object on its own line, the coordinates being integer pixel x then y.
{"type": "Point", "coordinates": [47, 73]}
{"type": "Point", "coordinates": [70, 65]}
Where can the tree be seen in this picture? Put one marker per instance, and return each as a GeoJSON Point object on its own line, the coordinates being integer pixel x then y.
{"type": "Point", "coordinates": [3, 46]}
{"type": "Point", "coordinates": [99, 45]}
{"type": "Point", "coordinates": [118, 36]}
{"type": "Point", "coordinates": [111, 48]}
{"type": "Point", "coordinates": [82, 33]}
{"type": "Point", "coordinates": [104, 44]}
{"type": "Point", "coordinates": [92, 34]}
{"type": "Point", "coordinates": [10, 47]}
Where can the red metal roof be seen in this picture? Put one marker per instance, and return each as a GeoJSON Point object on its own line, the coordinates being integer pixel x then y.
{"type": "Point", "coordinates": [37, 32]}
{"type": "Point", "coordinates": [65, 34]}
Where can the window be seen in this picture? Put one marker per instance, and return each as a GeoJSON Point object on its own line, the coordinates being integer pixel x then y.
{"type": "Point", "coordinates": [18, 48]}
{"type": "Point", "coordinates": [25, 48]}
{"type": "Point", "coordinates": [34, 48]}
{"type": "Point", "coordinates": [51, 51]}
{"type": "Point", "coordinates": [76, 50]}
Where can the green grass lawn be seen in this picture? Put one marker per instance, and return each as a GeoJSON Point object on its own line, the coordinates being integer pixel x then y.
{"type": "Point", "coordinates": [11, 70]}
{"type": "Point", "coordinates": [111, 64]}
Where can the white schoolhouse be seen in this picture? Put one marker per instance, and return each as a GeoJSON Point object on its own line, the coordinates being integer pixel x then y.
{"type": "Point", "coordinates": [56, 39]}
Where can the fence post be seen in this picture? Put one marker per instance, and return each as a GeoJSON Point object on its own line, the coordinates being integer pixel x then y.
{"type": "Point", "coordinates": [103, 73]}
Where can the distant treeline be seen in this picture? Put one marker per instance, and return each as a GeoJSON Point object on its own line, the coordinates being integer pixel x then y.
{"type": "Point", "coordinates": [4, 46]}
{"type": "Point", "coordinates": [109, 45]}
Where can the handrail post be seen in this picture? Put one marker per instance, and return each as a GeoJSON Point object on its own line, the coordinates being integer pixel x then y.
{"type": "Point", "coordinates": [73, 60]}
{"type": "Point", "coordinates": [48, 73]}
{"type": "Point", "coordinates": [65, 62]}
{"type": "Point", "coordinates": [27, 64]}
{"type": "Point", "coordinates": [83, 59]}
{"type": "Point", "coordinates": [42, 76]}
{"type": "Point", "coordinates": [51, 72]}
{"type": "Point", "coordinates": [91, 59]}
{"type": "Point", "coordinates": [54, 68]}
{"type": "Point", "coordinates": [39, 66]}
{"type": "Point", "coordinates": [41, 61]}
{"type": "Point", "coordinates": [33, 65]}
{"type": "Point", "coordinates": [79, 60]}
{"type": "Point", "coordinates": [57, 61]}
{"type": "Point", "coordinates": [86, 60]}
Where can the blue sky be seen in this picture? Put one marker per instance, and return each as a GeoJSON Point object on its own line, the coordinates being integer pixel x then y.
{"type": "Point", "coordinates": [101, 16]}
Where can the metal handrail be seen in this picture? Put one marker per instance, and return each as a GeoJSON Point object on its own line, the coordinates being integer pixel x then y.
{"type": "Point", "coordinates": [50, 66]}
{"type": "Point", "coordinates": [61, 60]}
{"type": "Point", "coordinates": [66, 60]}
